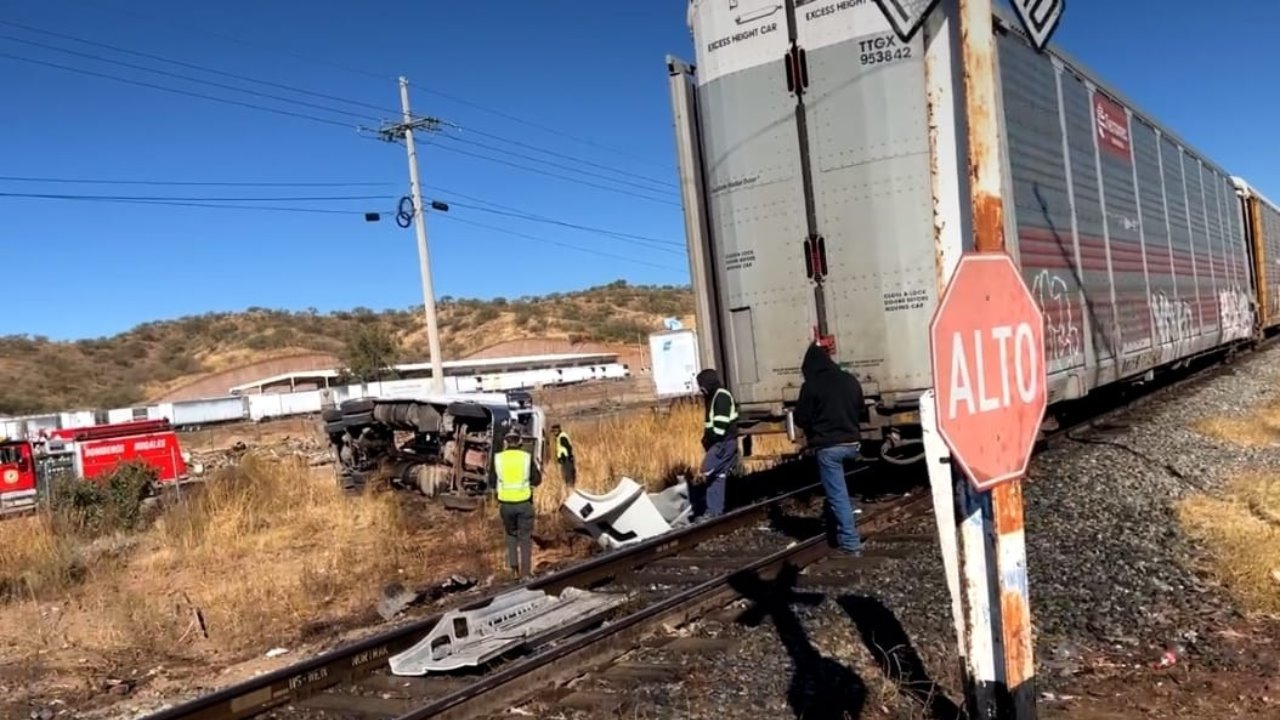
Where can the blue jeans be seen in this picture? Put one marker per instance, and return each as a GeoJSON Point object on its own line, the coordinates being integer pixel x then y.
{"type": "Point", "coordinates": [838, 507]}
{"type": "Point", "coordinates": [708, 499]}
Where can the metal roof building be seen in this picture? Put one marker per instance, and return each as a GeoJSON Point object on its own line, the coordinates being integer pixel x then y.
{"type": "Point", "coordinates": [317, 379]}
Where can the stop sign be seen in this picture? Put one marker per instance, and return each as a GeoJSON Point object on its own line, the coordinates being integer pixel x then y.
{"type": "Point", "coordinates": [987, 341]}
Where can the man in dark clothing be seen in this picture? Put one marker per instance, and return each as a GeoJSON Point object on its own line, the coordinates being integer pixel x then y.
{"type": "Point", "coordinates": [829, 411]}
{"type": "Point", "coordinates": [720, 443]}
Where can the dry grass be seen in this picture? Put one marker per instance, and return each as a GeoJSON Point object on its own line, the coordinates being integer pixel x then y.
{"type": "Point", "coordinates": [263, 552]}
{"type": "Point", "coordinates": [270, 553]}
{"type": "Point", "coordinates": [1241, 527]}
{"type": "Point", "coordinates": [650, 445]}
{"type": "Point", "coordinates": [1260, 428]}
{"type": "Point", "coordinates": [1242, 531]}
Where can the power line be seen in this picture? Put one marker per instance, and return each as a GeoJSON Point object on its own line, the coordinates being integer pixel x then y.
{"type": "Point", "coordinates": [182, 203]}
{"type": "Point", "coordinates": [189, 78]}
{"type": "Point", "coordinates": [143, 83]}
{"type": "Point", "coordinates": [190, 183]}
{"type": "Point", "coordinates": [493, 207]}
{"type": "Point", "coordinates": [60, 196]}
{"type": "Point", "coordinates": [539, 171]}
{"type": "Point", "coordinates": [539, 126]}
{"type": "Point", "coordinates": [303, 103]}
{"type": "Point", "coordinates": [378, 76]}
{"type": "Point", "coordinates": [670, 244]}
{"type": "Point", "coordinates": [535, 148]}
{"type": "Point", "coordinates": [231, 203]}
{"type": "Point", "coordinates": [241, 41]}
{"type": "Point", "coordinates": [194, 66]}
{"type": "Point", "coordinates": [548, 241]}
{"type": "Point", "coordinates": [648, 188]}
{"type": "Point", "coordinates": [217, 204]}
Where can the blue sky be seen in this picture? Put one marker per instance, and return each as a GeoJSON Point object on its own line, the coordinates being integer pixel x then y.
{"type": "Point", "coordinates": [591, 71]}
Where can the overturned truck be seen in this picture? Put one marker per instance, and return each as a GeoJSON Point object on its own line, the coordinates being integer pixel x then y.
{"type": "Point", "coordinates": [442, 445]}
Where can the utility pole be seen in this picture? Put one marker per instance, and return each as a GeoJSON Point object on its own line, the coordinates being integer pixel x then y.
{"type": "Point", "coordinates": [391, 133]}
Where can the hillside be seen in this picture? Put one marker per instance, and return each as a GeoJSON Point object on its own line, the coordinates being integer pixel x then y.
{"type": "Point", "coordinates": [37, 374]}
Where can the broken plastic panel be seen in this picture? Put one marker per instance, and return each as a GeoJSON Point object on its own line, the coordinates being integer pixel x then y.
{"type": "Point", "coordinates": [627, 514]}
{"type": "Point", "coordinates": [467, 638]}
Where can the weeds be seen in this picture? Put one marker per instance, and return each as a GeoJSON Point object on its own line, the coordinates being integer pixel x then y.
{"type": "Point", "coordinates": [89, 508]}
{"type": "Point", "coordinates": [653, 446]}
{"type": "Point", "coordinates": [1241, 530]}
{"type": "Point", "coordinates": [1240, 527]}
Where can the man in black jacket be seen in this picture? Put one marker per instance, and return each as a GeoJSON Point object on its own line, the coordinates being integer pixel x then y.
{"type": "Point", "coordinates": [720, 443]}
{"type": "Point", "coordinates": [829, 411]}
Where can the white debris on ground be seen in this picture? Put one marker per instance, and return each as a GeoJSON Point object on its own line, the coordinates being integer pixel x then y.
{"type": "Point", "coordinates": [627, 514]}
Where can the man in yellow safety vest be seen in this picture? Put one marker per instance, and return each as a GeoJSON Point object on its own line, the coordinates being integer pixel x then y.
{"type": "Point", "coordinates": [565, 457]}
{"type": "Point", "coordinates": [517, 475]}
{"type": "Point", "coordinates": [720, 443]}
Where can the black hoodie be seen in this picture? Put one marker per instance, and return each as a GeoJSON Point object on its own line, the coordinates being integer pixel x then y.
{"type": "Point", "coordinates": [830, 404]}
{"type": "Point", "coordinates": [709, 382]}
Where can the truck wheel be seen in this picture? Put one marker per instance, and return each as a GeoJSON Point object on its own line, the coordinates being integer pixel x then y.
{"type": "Point", "coordinates": [330, 415]}
{"type": "Point", "coordinates": [335, 428]}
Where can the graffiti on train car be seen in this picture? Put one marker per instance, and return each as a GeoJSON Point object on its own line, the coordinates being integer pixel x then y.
{"type": "Point", "coordinates": [1172, 319]}
{"type": "Point", "coordinates": [1062, 335]}
{"type": "Point", "coordinates": [1236, 309]}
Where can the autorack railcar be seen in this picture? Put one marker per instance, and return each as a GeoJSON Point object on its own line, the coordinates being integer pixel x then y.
{"type": "Point", "coordinates": [822, 201]}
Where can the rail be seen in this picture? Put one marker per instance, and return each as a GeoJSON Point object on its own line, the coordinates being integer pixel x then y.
{"type": "Point", "coordinates": [567, 660]}
{"type": "Point", "coordinates": [306, 678]}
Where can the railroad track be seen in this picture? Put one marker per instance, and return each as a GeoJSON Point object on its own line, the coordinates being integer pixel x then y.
{"type": "Point", "coordinates": [285, 692]}
{"type": "Point", "coordinates": [664, 593]}
{"type": "Point", "coordinates": [667, 584]}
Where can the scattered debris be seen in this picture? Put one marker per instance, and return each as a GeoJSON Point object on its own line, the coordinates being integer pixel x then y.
{"type": "Point", "coordinates": [276, 652]}
{"type": "Point", "coordinates": [396, 598]}
{"type": "Point", "coordinates": [466, 638]}
{"type": "Point", "coordinates": [627, 514]}
{"type": "Point", "coordinates": [306, 448]}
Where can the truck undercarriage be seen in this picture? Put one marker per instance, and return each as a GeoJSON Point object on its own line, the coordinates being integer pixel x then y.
{"type": "Point", "coordinates": [442, 446]}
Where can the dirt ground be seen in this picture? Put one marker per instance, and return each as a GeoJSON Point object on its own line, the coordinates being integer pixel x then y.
{"type": "Point", "coordinates": [1244, 682]}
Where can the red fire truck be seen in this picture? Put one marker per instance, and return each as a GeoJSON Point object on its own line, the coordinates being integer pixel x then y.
{"type": "Point", "coordinates": [18, 488]}
{"type": "Point", "coordinates": [89, 453]}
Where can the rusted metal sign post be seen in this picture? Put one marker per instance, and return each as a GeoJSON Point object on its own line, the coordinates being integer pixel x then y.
{"type": "Point", "coordinates": [987, 340]}
{"type": "Point", "coordinates": [1002, 310]}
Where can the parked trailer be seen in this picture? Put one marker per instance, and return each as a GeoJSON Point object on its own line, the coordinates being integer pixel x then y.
{"type": "Point", "coordinates": [809, 195]}
{"type": "Point", "coordinates": [674, 363]}
{"type": "Point", "coordinates": [209, 411]}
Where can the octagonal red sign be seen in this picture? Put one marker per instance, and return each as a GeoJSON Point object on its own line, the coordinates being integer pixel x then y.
{"type": "Point", "coordinates": [987, 344]}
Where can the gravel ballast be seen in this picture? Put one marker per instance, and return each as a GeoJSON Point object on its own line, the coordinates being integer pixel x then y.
{"type": "Point", "coordinates": [1112, 580]}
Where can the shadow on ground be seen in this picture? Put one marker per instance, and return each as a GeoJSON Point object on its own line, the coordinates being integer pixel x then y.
{"type": "Point", "coordinates": [890, 646]}
{"type": "Point", "coordinates": [820, 687]}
